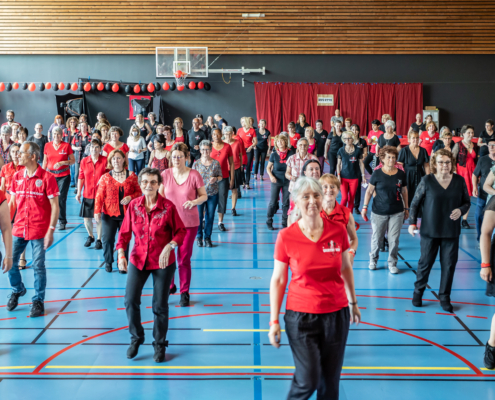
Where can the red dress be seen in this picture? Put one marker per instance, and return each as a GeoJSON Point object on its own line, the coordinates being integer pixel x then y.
{"type": "Point", "coordinates": [466, 166]}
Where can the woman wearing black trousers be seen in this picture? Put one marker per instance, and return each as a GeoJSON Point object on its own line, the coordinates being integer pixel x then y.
{"type": "Point", "coordinates": [261, 150]}
{"type": "Point", "coordinates": [333, 145]}
{"type": "Point", "coordinates": [445, 198]}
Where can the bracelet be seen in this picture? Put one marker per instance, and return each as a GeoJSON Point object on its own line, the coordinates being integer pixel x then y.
{"type": "Point", "coordinates": [9, 257]}
{"type": "Point", "coordinates": [52, 228]}
{"type": "Point", "coordinates": [274, 322]}
{"type": "Point", "coordinates": [353, 304]}
{"type": "Point", "coordinates": [352, 251]}
{"type": "Point", "coordinates": [485, 265]}
{"type": "Point", "coordinates": [365, 207]}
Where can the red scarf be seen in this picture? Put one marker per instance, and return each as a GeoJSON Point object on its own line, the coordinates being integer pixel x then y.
{"type": "Point", "coordinates": [283, 156]}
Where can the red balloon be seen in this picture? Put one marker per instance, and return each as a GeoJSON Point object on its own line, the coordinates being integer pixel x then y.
{"type": "Point", "coordinates": [100, 86]}
{"type": "Point", "coordinates": [15, 85]}
{"type": "Point", "coordinates": [32, 87]}
{"type": "Point", "coordinates": [192, 85]}
{"type": "Point", "coordinates": [87, 87]}
{"type": "Point", "coordinates": [2, 86]}
{"type": "Point", "coordinates": [151, 88]}
{"type": "Point", "coordinates": [74, 87]}
{"type": "Point", "coordinates": [201, 85]}
{"type": "Point", "coordinates": [115, 87]}
{"type": "Point", "coordinates": [61, 86]}
{"type": "Point", "coordinates": [48, 85]}
{"type": "Point", "coordinates": [165, 86]}
{"type": "Point", "coordinates": [137, 89]}
{"type": "Point", "coordinates": [180, 88]}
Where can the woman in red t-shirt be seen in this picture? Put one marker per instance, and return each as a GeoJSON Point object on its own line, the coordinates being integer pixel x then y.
{"type": "Point", "coordinates": [58, 159]}
{"type": "Point", "coordinates": [321, 301]}
{"type": "Point", "coordinates": [293, 135]}
{"type": "Point", "coordinates": [429, 137]}
{"type": "Point", "coordinates": [238, 150]}
{"type": "Point", "coordinates": [178, 132]}
{"type": "Point", "coordinates": [169, 141]}
{"type": "Point", "coordinates": [248, 136]}
{"type": "Point", "coordinates": [115, 134]}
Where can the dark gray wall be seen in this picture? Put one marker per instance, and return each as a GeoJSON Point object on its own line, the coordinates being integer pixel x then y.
{"type": "Point", "coordinates": [461, 86]}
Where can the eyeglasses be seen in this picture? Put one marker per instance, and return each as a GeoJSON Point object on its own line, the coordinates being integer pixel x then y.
{"type": "Point", "coordinates": [347, 138]}
{"type": "Point", "coordinates": [152, 183]}
{"type": "Point", "coordinates": [491, 145]}
{"type": "Point", "coordinates": [444, 162]}
{"type": "Point", "coordinates": [177, 157]}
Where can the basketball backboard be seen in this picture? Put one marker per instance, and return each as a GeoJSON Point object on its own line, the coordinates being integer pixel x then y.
{"type": "Point", "coordinates": [190, 60]}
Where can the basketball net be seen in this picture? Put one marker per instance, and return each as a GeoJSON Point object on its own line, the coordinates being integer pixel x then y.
{"type": "Point", "coordinates": [180, 78]}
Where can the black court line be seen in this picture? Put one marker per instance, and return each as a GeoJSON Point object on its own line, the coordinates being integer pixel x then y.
{"type": "Point", "coordinates": [412, 269]}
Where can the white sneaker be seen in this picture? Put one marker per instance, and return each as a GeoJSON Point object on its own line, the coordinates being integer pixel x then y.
{"type": "Point", "coordinates": [393, 269]}
{"type": "Point", "coordinates": [372, 266]}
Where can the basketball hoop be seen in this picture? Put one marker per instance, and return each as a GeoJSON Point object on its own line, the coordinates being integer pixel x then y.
{"type": "Point", "coordinates": [180, 77]}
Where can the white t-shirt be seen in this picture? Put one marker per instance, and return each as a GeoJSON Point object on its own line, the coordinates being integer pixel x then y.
{"type": "Point", "coordinates": [134, 146]}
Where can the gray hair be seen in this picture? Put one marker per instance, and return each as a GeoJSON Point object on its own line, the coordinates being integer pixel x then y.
{"type": "Point", "coordinates": [34, 149]}
{"type": "Point", "coordinates": [443, 128]}
{"type": "Point", "coordinates": [390, 123]}
{"type": "Point", "coordinates": [302, 184]}
{"type": "Point", "coordinates": [7, 129]}
{"type": "Point", "coordinates": [205, 143]}
{"type": "Point", "coordinates": [10, 111]}
{"type": "Point", "coordinates": [150, 171]}
{"type": "Point", "coordinates": [57, 129]}
{"type": "Point", "coordinates": [303, 139]}
{"type": "Point", "coordinates": [153, 114]}
{"type": "Point", "coordinates": [228, 129]}
{"type": "Point", "coordinates": [37, 125]}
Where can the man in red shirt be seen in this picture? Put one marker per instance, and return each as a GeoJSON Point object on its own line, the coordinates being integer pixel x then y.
{"type": "Point", "coordinates": [35, 193]}
{"type": "Point", "coordinates": [10, 119]}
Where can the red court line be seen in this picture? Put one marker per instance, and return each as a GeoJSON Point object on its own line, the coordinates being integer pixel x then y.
{"type": "Point", "coordinates": [212, 305]}
{"type": "Point", "coordinates": [97, 310]}
{"type": "Point", "coordinates": [192, 305]}
{"type": "Point", "coordinates": [386, 309]}
{"type": "Point", "coordinates": [441, 313]}
{"type": "Point", "coordinates": [6, 319]}
{"type": "Point", "coordinates": [362, 308]}
{"type": "Point", "coordinates": [474, 316]}
{"type": "Point", "coordinates": [241, 305]}
{"type": "Point", "coordinates": [120, 308]}
{"type": "Point", "coordinates": [68, 312]}
{"type": "Point", "coordinates": [266, 305]}
{"type": "Point", "coordinates": [421, 312]}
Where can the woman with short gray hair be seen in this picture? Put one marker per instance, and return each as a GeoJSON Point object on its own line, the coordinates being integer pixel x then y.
{"type": "Point", "coordinates": [321, 302]}
{"type": "Point", "coordinates": [389, 138]}
{"type": "Point", "coordinates": [211, 172]}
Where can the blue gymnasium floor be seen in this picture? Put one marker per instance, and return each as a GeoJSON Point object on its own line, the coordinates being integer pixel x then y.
{"type": "Point", "coordinates": [219, 347]}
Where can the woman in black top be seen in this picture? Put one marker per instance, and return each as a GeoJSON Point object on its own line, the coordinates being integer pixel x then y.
{"type": "Point", "coordinates": [484, 136]}
{"type": "Point", "coordinates": [301, 125]}
{"type": "Point", "coordinates": [389, 138]}
{"type": "Point", "coordinates": [389, 185]}
{"type": "Point", "coordinates": [321, 136]}
{"type": "Point", "coordinates": [363, 145]}
{"type": "Point", "coordinates": [277, 167]}
{"type": "Point", "coordinates": [445, 141]}
{"type": "Point", "coordinates": [445, 198]}
{"type": "Point", "coordinates": [415, 161]}
{"type": "Point", "coordinates": [417, 126]}
{"type": "Point", "coordinates": [350, 167]}
{"type": "Point", "coordinates": [262, 148]}
{"type": "Point", "coordinates": [332, 146]}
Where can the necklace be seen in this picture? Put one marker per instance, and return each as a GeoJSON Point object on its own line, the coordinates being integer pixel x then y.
{"type": "Point", "coordinates": [349, 152]}
{"type": "Point", "coordinates": [312, 236]}
{"type": "Point", "coordinates": [118, 173]}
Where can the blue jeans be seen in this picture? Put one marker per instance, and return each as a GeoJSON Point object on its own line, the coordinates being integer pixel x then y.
{"type": "Point", "coordinates": [15, 277]}
{"type": "Point", "coordinates": [478, 216]}
{"type": "Point", "coordinates": [73, 179]}
{"type": "Point", "coordinates": [136, 165]}
{"type": "Point", "coordinates": [207, 209]}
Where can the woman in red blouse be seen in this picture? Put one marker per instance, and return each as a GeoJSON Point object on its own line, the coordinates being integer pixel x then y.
{"type": "Point", "coordinates": [238, 149]}
{"type": "Point", "coordinates": [91, 170]}
{"type": "Point", "coordinates": [248, 136]}
{"type": "Point", "coordinates": [58, 159]}
{"type": "Point", "coordinates": [115, 191]}
{"type": "Point", "coordinates": [222, 152]}
{"type": "Point", "coordinates": [169, 141]}
{"type": "Point", "coordinates": [157, 230]}
{"type": "Point", "coordinates": [178, 132]}
{"type": "Point", "coordinates": [115, 134]}
{"type": "Point", "coordinates": [321, 301]}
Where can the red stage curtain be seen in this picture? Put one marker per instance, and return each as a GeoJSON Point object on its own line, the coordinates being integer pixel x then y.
{"type": "Point", "coordinates": [324, 112]}
{"type": "Point", "coordinates": [269, 105]}
{"type": "Point", "coordinates": [354, 104]}
{"type": "Point", "coordinates": [296, 99]}
{"type": "Point", "coordinates": [381, 100]}
{"type": "Point", "coordinates": [409, 102]}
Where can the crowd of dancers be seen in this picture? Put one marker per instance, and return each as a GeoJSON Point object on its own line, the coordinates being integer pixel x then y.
{"type": "Point", "coordinates": [164, 185]}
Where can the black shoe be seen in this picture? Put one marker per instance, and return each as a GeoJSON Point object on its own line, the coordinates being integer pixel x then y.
{"type": "Point", "coordinates": [417, 300]}
{"type": "Point", "coordinates": [269, 225]}
{"type": "Point", "coordinates": [37, 309]}
{"type": "Point", "coordinates": [199, 241]}
{"type": "Point", "coordinates": [446, 306]}
{"type": "Point", "coordinates": [489, 359]}
{"type": "Point", "coordinates": [356, 211]}
{"type": "Point", "coordinates": [173, 290]}
{"type": "Point", "coordinates": [14, 300]}
{"type": "Point", "coordinates": [133, 349]}
{"type": "Point", "coordinates": [208, 242]}
{"type": "Point", "coordinates": [61, 227]}
{"type": "Point", "coordinates": [159, 355]}
{"type": "Point", "coordinates": [98, 245]}
{"type": "Point", "coordinates": [122, 272]}
{"type": "Point", "coordinates": [234, 212]}
{"type": "Point", "coordinates": [184, 299]}
{"type": "Point", "coordinates": [108, 267]}
{"type": "Point", "coordinates": [221, 227]}
{"type": "Point", "coordinates": [465, 224]}
{"type": "Point", "coordinates": [89, 241]}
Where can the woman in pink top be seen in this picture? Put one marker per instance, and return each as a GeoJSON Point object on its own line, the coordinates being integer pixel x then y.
{"type": "Point", "coordinates": [185, 188]}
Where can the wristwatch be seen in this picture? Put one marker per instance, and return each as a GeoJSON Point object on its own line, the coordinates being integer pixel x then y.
{"type": "Point", "coordinates": [173, 245]}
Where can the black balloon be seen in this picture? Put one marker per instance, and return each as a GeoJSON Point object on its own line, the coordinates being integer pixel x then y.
{"type": "Point", "coordinates": [207, 86]}
{"type": "Point", "coordinates": [157, 87]}
{"type": "Point", "coordinates": [108, 87]}
{"type": "Point", "coordinates": [144, 88]}
{"type": "Point", "coordinates": [173, 86]}
{"type": "Point", "coordinates": [127, 89]}
{"type": "Point", "coordinates": [68, 86]}
{"type": "Point", "coordinates": [41, 87]}
{"type": "Point", "coordinates": [24, 86]}
{"type": "Point", "coordinates": [55, 87]}
{"type": "Point", "coordinates": [93, 86]}
{"type": "Point", "coordinates": [8, 87]}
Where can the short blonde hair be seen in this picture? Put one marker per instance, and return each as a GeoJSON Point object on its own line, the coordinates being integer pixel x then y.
{"type": "Point", "coordinates": [431, 123]}
{"type": "Point", "coordinates": [331, 178]}
{"type": "Point", "coordinates": [178, 119]}
{"type": "Point", "coordinates": [348, 133]}
{"type": "Point", "coordinates": [283, 138]}
{"type": "Point", "coordinates": [412, 133]}
{"type": "Point", "coordinates": [309, 128]}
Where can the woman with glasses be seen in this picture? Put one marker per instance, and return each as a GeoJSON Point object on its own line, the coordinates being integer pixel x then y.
{"type": "Point", "coordinates": [350, 167]}
{"type": "Point", "coordinates": [185, 188]}
{"type": "Point", "coordinates": [211, 172]}
{"type": "Point", "coordinates": [444, 197]}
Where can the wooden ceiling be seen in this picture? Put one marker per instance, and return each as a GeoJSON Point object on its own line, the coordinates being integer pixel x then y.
{"type": "Point", "coordinates": [289, 26]}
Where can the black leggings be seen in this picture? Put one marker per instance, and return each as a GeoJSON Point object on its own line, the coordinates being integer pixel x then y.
{"type": "Point", "coordinates": [367, 161]}
{"type": "Point", "coordinates": [259, 158]}
{"type": "Point", "coordinates": [332, 160]}
{"type": "Point", "coordinates": [248, 167]}
{"type": "Point", "coordinates": [110, 226]}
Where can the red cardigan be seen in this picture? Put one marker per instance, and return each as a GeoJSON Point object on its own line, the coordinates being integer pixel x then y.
{"type": "Point", "coordinates": [107, 195]}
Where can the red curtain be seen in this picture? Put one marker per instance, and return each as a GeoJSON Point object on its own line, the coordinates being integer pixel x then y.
{"type": "Point", "coordinates": [409, 102]}
{"type": "Point", "coordinates": [296, 99]}
{"type": "Point", "coordinates": [381, 100]}
{"type": "Point", "coordinates": [324, 112]}
{"type": "Point", "coordinates": [354, 104]}
{"type": "Point", "coordinates": [269, 105]}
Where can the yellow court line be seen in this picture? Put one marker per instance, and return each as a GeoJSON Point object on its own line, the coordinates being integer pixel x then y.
{"type": "Point", "coordinates": [19, 367]}
{"type": "Point", "coordinates": [245, 367]}
{"type": "Point", "coordinates": [239, 330]}
{"type": "Point", "coordinates": [486, 369]}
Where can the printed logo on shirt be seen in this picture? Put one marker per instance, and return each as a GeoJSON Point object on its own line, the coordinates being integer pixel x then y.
{"type": "Point", "coordinates": [39, 182]}
{"type": "Point", "coordinates": [62, 152]}
{"type": "Point", "coordinates": [19, 182]}
{"type": "Point", "coordinates": [197, 137]}
{"type": "Point", "coordinates": [399, 184]}
{"type": "Point", "coordinates": [332, 248]}
{"type": "Point", "coordinates": [352, 159]}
